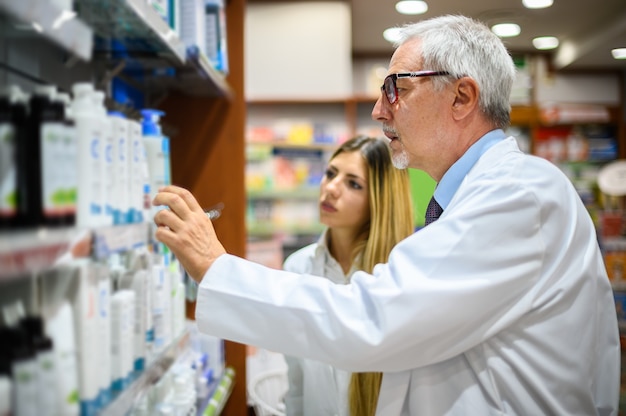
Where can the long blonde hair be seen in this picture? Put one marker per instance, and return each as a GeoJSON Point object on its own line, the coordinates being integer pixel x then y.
{"type": "Point", "coordinates": [391, 220]}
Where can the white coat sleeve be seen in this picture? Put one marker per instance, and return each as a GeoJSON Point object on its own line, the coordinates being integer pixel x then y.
{"type": "Point", "coordinates": [476, 271]}
{"type": "Point", "coordinates": [294, 398]}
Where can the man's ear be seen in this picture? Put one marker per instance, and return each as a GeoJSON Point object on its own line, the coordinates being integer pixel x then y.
{"type": "Point", "coordinates": [466, 93]}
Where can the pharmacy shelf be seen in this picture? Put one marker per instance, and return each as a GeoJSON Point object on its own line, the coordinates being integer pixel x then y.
{"type": "Point", "coordinates": [61, 27]}
{"type": "Point", "coordinates": [280, 144]}
{"type": "Point", "coordinates": [311, 193]}
{"type": "Point", "coordinates": [123, 403]}
{"type": "Point", "coordinates": [132, 33]}
{"type": "Point", "coordinates": [218, 398]}
{"type": "Point", "coordinates": [31, 251]}
{"type": "Point", "coordinates": [25, 252]}
{"type": "Point", "coordinates": [267, 230]}
{"type": "Point", "coordinates": [133, 24]}
{"type": "Point", "coordinates": [120, 238]}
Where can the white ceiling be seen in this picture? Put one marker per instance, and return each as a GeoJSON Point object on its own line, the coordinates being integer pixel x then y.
{"type": "Point", "coordinates": [589, 29]}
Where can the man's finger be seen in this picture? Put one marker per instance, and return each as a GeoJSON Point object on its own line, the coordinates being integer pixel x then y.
{"type": "Point", "coordinates": [184, 194]}
{"type": "Point", "coordinates": [167, 218]}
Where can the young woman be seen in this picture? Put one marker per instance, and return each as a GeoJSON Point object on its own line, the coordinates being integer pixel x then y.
{"type": "Point", "coordinates": [365, 203]}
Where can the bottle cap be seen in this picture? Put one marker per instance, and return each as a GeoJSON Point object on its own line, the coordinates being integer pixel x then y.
{"type": "Point", "coordinates": [150, 122]}
{"type": "Point", "coordinates": [46, 90]}
{"type": "Point", "coordinates": [82, 88]}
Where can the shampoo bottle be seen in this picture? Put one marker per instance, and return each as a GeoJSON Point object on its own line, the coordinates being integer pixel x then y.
{"type": "Point", "coordinates": [67, 162]}
{"type": "Point", "coordinates": [46, 373]}
{"type": "Point", "coordinates": [13, 113]}
{"type": "Point", "coordinates": [121, 147]}
{"type": "Point", "coordinates": [45, 186]}
{"type": "Point", "coordinates": [90, 205]}
{"type": "Point", "coordinates": [107, 164]}
{"type": "Point", "coordinates": [60, 328]}
{"type": "Point", "coordinates": [157, 152]}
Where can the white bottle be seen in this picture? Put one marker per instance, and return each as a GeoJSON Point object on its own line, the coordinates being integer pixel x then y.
{"type": "Point", "coordinates": [128, 342]}
{"type": "Point", "coordinates": [140, 261]}
{"type": "Point", "coordinates": [178, 298]}
{"type": "Point", "coordinates": [60, 328]}
{"type": "Point", "coordinates": [137, 160]}
{"type": "Point", "coordinates": [122, 326]}
{"type": "Point", "coordinates": [68, 162]}
{"type": "Point", "coordinates": [121, 147]}
{"type": "Point", "coordinates": [117, 332]}
{"type": "Point", "coordinates": [158, 302]}
{"type": "Point", "coordinates": [5, 395]}
{"type": "Point", "coordinates": [24, 378]}
{"type": "Point", "coordinates": [108, 165]}
{"type": "Point", "coordinates": [136, 281]}
{"type": "Point", "coordinates": [157, 151]}
{"type": "Point", "coordinates": [86, 326]}
{"type": "Point", "coordinates": [90, 194]}
{"type": "Point", "coordinates": [104, 333]}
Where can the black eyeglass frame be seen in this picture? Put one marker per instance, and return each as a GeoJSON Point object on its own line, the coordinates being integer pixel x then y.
{"type": "Point", "coordinates": [390, 89]}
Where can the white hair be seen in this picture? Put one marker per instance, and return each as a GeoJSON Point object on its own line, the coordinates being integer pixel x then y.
{"type": "Point", "coordinates": [466, 47]}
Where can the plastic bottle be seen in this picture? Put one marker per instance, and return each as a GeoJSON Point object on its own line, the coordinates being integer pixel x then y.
{"type": "Point", "coordinates": [107, 165]}
{"type": "Point", "coordinates": [119, 125]}
{"type": "Point", "coordinates": [136, 159]}
{"type": "Point", "coordinates": [23, 373]}
{"type": "Point", "coordinates": [90, 206]}
{"type": "Point", "coordinates": [122, 327]}
{"type": "Point", "coordinates": [136, 281]}
{"type": "Point", "coordinates": [104, 335]}
{"type": "Point", "coordinates": [13, 113]}
{"type": "Point", "coordinates": [86, 319]}
{"type": "Point", "coordinates": [159, 298]}
{"type": "Point", "coordinates": [5, 395]}
{"type": "Point", "coordinates": [44, 200]}
{"type": "Point", "coordinates": [68, 163]}
{"type": "Point", "coordinates": [60, 328]}
{"type": "Point", "coordinates": [157, 151]}
{"type": "Point", "coordinates": [46, 373]}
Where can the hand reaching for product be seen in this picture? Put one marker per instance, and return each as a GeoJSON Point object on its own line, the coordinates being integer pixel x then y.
{"type": "Point", "coordinates": [186, 230]}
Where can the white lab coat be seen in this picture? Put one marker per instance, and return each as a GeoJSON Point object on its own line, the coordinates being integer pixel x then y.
{"type": "Point", "coordinates": [316, 388]}
{"type": "Point", "coordinates": [501, 307]}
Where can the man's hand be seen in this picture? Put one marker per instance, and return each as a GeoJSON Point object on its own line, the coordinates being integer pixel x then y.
{"type": "Point", "coordinates": [186, 230]}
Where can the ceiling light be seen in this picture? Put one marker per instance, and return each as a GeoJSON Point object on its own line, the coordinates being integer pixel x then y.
{"type": "Point", "coordinates": [619, 53]}
{"type": "Point", "coordinates": [545, 42]}
{"type": "Point", "coordinates": [537, 4]}
{"type": "Point", "coordinates": [392, 34]}
{"type": "Point", "coordinates": [411, 7]}
{"type": "Point", "coordinates": [506, 30]}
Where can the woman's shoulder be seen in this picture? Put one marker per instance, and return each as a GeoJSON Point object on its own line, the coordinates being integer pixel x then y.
{"type": "Point", "coordinates": [300, 260]}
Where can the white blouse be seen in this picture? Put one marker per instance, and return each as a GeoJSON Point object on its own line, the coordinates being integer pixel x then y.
{"type": "Point", "coordinates": [316, 388]}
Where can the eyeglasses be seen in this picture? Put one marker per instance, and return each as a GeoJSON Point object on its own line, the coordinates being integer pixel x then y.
{"type": "Point", "coordinates": [391, 90]}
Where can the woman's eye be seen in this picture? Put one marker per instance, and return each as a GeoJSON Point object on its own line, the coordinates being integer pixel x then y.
{"type": "Point", "coordinates": [355, 185]}
{"type": "Point", "coordinates": [329, 174]}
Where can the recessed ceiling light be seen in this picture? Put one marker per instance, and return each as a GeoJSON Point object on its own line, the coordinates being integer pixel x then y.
{"type": "Point", "coordinates": [619, 53]}
{"type": "Point", "coordinates": [392, 34]}
{"type": "Point", "coordinates": [545, 42]}
{"type": "Point", "coordinates": [537, 4]}
{"type": "Point", "coordinates": [411, 7]}
{"type": "Point", "coordinates": [506, 30]}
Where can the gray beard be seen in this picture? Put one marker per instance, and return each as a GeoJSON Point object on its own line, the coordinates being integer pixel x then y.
{"type": "Point", "coordinates": [400, 159]}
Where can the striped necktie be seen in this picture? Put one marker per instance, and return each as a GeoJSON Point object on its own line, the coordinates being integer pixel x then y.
{"type": "Point", "coordinates": [433, 211]}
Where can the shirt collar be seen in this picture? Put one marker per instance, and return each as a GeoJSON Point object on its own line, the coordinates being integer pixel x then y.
{"type": "Point", "coordinates": [323, 256]}
{"type": "Point", "coordinates": [451, 180]}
